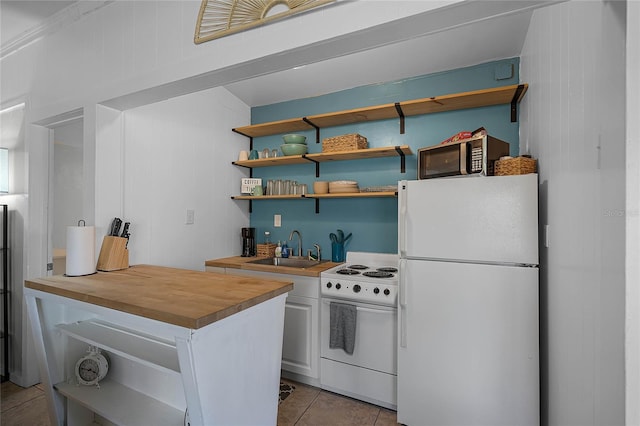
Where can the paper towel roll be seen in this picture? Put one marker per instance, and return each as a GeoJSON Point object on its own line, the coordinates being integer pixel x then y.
{"type": "Point", "coordinates": [81, 250]}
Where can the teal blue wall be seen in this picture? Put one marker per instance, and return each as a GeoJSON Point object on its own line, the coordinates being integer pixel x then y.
{"type": "Point", "coordinates": [373, 221]}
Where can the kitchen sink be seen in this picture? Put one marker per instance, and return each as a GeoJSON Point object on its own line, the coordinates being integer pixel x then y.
{"type": "Point", "coordinates": [292, 262]}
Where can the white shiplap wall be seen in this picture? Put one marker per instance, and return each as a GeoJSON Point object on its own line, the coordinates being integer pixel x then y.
{"type": "Point", "coordinates": [572, 120]}
{"type": "Point", "coordinates": [157, 161]}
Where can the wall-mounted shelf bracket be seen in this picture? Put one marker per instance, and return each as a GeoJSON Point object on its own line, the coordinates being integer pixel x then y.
{"type": "Point", "coordinates": [514, 102]}
{"type": "Point", "coordinates": [317, 205]}
{"type": "Point", "coordinates": [306, 120]}
{"type": "Point", "coordinates": [402, 159]}
{"type": "Point", "coordinates": [313, 161]}
{"type": "Point", "coordinates": [401, 115]}
{"type": "Point", "coordinates": [245, 135]}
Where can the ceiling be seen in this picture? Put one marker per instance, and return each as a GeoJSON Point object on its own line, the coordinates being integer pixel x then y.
{"type": "Point", "coordinates": [461, 46]}
{"type": "Point", "coordinates": [18, 16]}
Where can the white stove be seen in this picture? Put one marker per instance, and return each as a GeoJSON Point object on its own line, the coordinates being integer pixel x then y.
{"type": "Point", "coordinates": [368, 283]}
{"type": "Point", "coordinates": [364, 277]}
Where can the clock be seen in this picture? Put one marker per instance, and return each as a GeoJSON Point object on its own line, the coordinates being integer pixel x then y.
{"type": "Point", "coordinates": [92, 367]}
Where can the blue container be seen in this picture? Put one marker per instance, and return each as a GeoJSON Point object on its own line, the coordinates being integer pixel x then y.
{"type": "Point", "coordinates": [337, 252]}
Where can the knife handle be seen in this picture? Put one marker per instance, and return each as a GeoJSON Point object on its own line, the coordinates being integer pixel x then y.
{"type": "Point", "coordinates": [125, 230]}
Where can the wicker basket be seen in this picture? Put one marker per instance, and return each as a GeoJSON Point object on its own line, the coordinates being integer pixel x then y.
{"type": "Point", "coordinates": [344, 143]}
{"type": "Point", "coordinates": [266, 250]}
{"type": "Point", "coordinates": [515, 166]}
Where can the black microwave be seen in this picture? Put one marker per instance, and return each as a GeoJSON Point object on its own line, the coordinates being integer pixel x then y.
{"type": "Point", "coordinates": [475, 155]}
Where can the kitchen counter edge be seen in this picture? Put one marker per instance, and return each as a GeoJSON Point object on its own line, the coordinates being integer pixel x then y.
{"type": "Point", "coordinates": [186, 298]}
{"type": "Point", "coordinates": [239, 262]}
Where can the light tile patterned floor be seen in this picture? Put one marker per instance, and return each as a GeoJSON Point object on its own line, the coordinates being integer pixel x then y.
{"type": "Point", "coordinates": [306, 406]}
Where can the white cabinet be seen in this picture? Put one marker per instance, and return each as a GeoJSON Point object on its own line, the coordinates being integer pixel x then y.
{"type": "Point", "coordinates": [301, 341]}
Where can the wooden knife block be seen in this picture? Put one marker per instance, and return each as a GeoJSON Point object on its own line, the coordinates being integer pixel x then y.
{"type": "Point", "coordinates": [113, 254]}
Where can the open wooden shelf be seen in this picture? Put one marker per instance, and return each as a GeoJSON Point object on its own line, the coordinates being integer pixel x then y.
{"type": "Point", "coordinates": [512, 94]}
{"type": "Point", "coordinates": [354, 195]}
{"type": "Point", "coordinates": [339, 195]}
{"type": "Point", "coordinates": [270, 162]}
{"type": "Point", "coordinates": [357, 154]}
{"type": "Point", "coordinates": [267, 197]}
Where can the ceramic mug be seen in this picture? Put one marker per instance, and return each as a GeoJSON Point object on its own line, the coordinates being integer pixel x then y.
{"type": "Point", "coordinates": [243, 156]}
{"type": "Point", "coordinates": [253, 155]}
{"type": "Point", "coordinates": [257, 190]}
{"type": "Point", "coordinates": [320, 187]}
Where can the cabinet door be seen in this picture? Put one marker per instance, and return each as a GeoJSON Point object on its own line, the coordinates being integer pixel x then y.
{"type": "Point", "coordinates": [301, 340]}
{"type": "Point", "coordinates": [300, 343]}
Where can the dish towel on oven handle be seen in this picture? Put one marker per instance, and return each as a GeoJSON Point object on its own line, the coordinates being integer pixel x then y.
{"type": "Point", "coordinates": [342, 326]}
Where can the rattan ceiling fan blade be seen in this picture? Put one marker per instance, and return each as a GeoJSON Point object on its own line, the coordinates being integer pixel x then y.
{"type": "Point", "coordinates": [219, 18]}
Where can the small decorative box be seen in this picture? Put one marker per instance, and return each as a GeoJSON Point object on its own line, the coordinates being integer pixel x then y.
{"type": "Point", "coordinates": [248, 184]}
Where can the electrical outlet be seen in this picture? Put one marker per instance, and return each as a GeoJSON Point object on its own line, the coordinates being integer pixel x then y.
{"type": "Point", "coordinates": [190, 217]}
{"type": "Point", "coordinates": [277, 221]}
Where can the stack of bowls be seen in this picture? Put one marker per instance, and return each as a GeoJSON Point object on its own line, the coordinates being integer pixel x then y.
{"type": "Point", "coordinates": [294, 145]}
{"type": "Point", "coordinates": [343, 187]}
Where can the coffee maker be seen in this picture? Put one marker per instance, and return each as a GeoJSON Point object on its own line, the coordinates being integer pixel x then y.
{"type": "Point", "coordinates": [248, 242]}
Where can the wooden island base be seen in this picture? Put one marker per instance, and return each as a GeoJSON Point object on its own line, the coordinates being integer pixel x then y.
{"type": "Point", "coordinates": [174, 338]}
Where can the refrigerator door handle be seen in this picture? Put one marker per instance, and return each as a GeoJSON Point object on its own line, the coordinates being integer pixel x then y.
{"type": "Point", "coordinates": [402, 217]}
{"type": "Point", "coordinates": [402, 308]}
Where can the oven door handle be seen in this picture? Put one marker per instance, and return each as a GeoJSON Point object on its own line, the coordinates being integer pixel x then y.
{"type": "Point", "coordinates": [374, 311]}
{"type": "Point", "coordinates": [390, 310]}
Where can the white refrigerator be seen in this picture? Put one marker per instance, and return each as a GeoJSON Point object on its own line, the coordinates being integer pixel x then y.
{"type": "Point", "coordinates": [468, 301]}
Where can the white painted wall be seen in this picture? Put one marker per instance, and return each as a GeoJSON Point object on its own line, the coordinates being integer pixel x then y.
{"type": "Point", "coordinates": [177, 155]}
{"type": "Point", "coordinates": [129, 46]}
{"type": "Point", "coordinates": [573, 121]}
{"type": "Point", "coordinates": [68, 180]}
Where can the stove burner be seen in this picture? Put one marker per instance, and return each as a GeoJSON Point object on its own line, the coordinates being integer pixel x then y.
{"type": "Point", "coordinates": [378, 274]}
{"type": "Point", "coordinates": [347, 271]}
{"type": "Point", "coordinates": [388, 269]}
{"type": "Point", "coordinates": [360, 267]}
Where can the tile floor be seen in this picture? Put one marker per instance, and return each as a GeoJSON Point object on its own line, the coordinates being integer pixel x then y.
{"type": "Point", "coordinates": [307, 405]}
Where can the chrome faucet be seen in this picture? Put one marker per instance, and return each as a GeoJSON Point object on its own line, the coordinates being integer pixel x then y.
{"type": "Point", "coordinates": [295, 231]}
{"type": "Point", "coordinates": [310, 255]}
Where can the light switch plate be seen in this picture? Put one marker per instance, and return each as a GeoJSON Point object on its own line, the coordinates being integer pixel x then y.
{"type": "Point", "coordinates": [190, 217]}
{"type": "Point", "coordinates": [277, 221]}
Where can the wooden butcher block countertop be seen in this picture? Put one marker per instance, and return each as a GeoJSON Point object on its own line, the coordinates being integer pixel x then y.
{"type": "Point", "coordinates": [182, 297]}
{"type": "Point", "coordinates": [239, 262]}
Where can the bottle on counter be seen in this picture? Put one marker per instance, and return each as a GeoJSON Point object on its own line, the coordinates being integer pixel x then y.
{"type": "Point", "coordinates": [278, 250]}
{"type": "Point", "coordinates": [285, 249]}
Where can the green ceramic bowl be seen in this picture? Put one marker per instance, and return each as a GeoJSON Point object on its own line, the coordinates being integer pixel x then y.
{"type": "Point", "coordinates": [293, 148]}
{"type": "Point", "coordinates": [294, 139]}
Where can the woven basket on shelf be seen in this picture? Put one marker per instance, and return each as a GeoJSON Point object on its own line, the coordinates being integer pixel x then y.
{"type": "Point", "coordinates": [266, 250]}
{"type": "Point", "coordinates": [344, 143]}
{"type": "Point", "coordinates": [515, 166]}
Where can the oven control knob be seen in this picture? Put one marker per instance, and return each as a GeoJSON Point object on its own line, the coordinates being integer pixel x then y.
{"type": "Point", "coordinates": [338, 286]}
{"type": "Point", "coordinates": [329, 284]}
{"type": "Point", "coordinates": [376, 290]}
{"type": "Point", "coordinates": [356, 288]}
{"type": "Point", "coordinates": [386, 292]}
